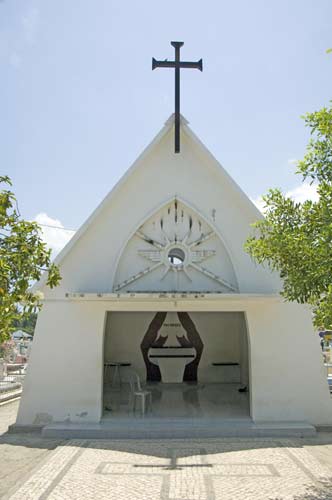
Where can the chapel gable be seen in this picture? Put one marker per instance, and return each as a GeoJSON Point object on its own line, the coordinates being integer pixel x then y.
{"type": "Point", "coordinates": [175, 249]}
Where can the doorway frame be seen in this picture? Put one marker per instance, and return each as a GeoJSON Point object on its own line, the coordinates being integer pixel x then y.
{"type": "Point", "coordinates": [136, 302]}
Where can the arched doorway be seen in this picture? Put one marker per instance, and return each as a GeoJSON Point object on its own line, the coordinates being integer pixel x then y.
{"type": "Point", "coordinates": [194, 364]}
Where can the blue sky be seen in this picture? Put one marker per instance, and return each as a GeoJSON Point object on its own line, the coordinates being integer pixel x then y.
{"type": "Point", "coordinates": [79, 100]}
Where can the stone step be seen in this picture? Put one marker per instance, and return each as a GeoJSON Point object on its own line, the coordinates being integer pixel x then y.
{"type": "Point", "coordinates": [167, 428]}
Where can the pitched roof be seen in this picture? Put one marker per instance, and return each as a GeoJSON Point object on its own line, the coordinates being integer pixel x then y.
{"type": "Point", "coordinates": [169, 124]}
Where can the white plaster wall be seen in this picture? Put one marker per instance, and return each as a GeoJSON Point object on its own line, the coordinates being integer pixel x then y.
{"type": "Point", "coordinates": [220, 333]}
{"type": "Point", "coordinates": [288, 379]}
{"type": "Point", "coordinates": [196, 179]}
{"type": "Point", "coordinates": [244, 352]}
{"type": "Point", "coordinates": [64, 378]}
{"type": "Point", "coordinates": [287, 376]}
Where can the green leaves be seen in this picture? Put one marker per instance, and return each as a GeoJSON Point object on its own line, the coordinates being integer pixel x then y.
{"type": "Point", "coordinates": [317, 162]}
{"type": "Point", "coordinates": [23, 259]}
{"type": "Point", "coordinates": [295, 239]}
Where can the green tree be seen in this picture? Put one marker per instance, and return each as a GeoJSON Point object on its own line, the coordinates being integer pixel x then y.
{"type": "Point", "coordinates": [295, 239]}
{"type": "Point", "coordinates": [27, 323]}
{"type": "Point", "coordinates": [23, 259]}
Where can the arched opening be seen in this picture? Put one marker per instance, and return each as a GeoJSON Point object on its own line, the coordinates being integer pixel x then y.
{"type": "Point", "coordinates": [194, 364]}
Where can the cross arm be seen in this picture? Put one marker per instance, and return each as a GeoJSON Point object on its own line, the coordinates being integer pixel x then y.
{"type": "Point", "coordinates": [162, 64]}
{"type": "Point", "coordinates": [174, 64]}
{"type": "Point", "coordinates": [192, 65]}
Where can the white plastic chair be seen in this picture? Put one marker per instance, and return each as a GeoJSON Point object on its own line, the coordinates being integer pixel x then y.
{"type": "Point", "coordinates": [139, 394]}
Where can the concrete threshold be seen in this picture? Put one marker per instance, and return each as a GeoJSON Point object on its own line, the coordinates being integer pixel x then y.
{"type": "Point", "coordinates": [176, 428]}
{"type": "Point", "coordinates": [24, 429]}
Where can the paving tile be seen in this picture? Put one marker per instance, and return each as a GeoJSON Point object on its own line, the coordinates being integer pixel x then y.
{"type": "Point", "coordinates": [210, 469]}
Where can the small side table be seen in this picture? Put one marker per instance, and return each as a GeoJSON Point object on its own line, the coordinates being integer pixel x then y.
{"type": "Point", "coordinates": [116, 365]}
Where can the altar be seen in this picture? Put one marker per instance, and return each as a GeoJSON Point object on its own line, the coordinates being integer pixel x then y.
{"type": "Point", "coordinates": [171, 361]}
{"type": "Point", "coordinates": [178, 347]}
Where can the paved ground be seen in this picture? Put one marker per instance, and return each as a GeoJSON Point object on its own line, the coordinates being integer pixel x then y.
{"type": "Point", "coordinates": [262, 469]}
{"type": "Point", "coordinates": [182, 400]}
{"type": "Point", "coordinates": [19, 453]}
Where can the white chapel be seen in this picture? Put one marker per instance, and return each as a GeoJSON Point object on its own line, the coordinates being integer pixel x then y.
{"type": "Point", "coordinates": [158, 296]}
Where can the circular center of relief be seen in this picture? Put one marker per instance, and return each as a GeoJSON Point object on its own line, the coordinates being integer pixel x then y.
{"type": "Point", "coordinates": [176, 257]}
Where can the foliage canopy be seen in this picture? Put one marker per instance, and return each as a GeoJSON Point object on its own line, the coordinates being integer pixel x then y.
{"type": "Point", "coordinates": [294, 238]}
{"type": "Point", "coordinates": [23, 259]}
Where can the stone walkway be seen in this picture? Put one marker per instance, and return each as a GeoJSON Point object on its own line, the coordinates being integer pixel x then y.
{"type": "Point", "coordinates": [177, 470]}
{"type": "Point", "coordinates": [20, 454]}
{"type": "Point", "coordinates": [209, 469]}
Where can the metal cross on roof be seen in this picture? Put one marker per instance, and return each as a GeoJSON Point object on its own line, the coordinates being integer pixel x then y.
{"type": "Point", "coordinates": [177, 64]}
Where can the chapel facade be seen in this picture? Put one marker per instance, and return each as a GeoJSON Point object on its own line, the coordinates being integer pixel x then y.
{"type": "Point", "coordinates": [156, 283]}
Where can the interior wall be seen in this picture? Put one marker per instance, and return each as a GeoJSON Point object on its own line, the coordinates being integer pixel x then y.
{"type": "Point", "coordinates": [223, 335]}
{"type": "Point", "coordinates": [244, 352]}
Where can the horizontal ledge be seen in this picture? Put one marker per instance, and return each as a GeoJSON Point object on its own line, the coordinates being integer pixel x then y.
{"type": "Point", "coordinates": [114, 364]}
{"type": "Point", "coordinates": [172, 347]}
{"type": "Point", "coordinates": [171, 356]}
{"type": "Point", "coordinates": [178, 296]}
{"type": "Point", "coordinates": [225, 364]}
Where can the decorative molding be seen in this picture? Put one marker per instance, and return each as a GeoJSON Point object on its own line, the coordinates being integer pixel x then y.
{"type": "Point", "coordinates": [178, 240]}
